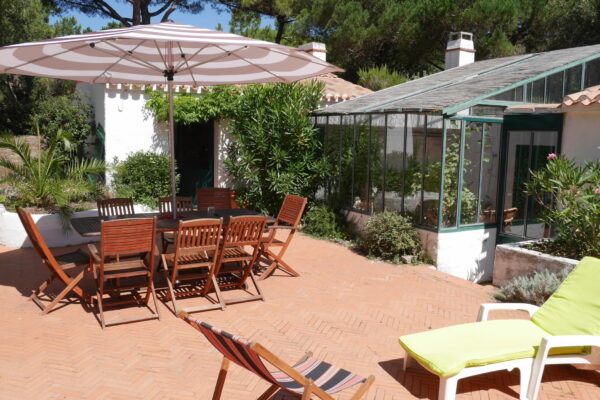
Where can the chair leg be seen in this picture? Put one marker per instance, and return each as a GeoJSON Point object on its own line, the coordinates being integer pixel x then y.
{"type": "Point", "coordinates": [218, 293]}
{"type": "Point", "coordinates": [34, 295]}
{"type": "Point", "coordinates": [362, 390]}
{"type": "Point", "coordinates": [447, 388]}
{"type": "Point", "coordinates": [406, 362]}
{"type": "Point", "coordinates": [154, 299]}
{"type": "Point", "coordinates": [221, 379]}
{"type": "Point", "coordinates": [63, 293]}
{"type": "Point", "coordinates": [269, 392]}
{"type": "Point", "coordinates": [99, 291]}
{"type": "Point", "coordinates": [269, 270]}
{"type": "Point", "coordinates": [307, 390]}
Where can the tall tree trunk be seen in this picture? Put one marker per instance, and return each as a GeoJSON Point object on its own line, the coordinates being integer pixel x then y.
{"type": "Point", "coordinates": [145, 12]}
{"type": "Point", "coordinates": [280, 21]}
{"type": "Point", "coordinates": [136, 17]}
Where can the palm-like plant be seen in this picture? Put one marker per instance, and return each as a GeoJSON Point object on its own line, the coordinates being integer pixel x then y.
{"type": "Point", "coordinates": [52, 179]}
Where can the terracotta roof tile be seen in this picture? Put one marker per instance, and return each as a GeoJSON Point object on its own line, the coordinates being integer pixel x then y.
{"type": "Point", "coordinates": [585, 97]}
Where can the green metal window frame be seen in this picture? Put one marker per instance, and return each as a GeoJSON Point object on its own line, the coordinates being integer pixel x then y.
{"type": "Point", "coordinates": [524, 83]}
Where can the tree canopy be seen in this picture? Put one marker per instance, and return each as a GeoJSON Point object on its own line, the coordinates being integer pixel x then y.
{"type": "Point", "coordinates": [142, 11]}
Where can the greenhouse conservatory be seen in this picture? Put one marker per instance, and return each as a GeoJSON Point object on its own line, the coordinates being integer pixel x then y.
{"type": "Point", "coordinates": [453, 151]}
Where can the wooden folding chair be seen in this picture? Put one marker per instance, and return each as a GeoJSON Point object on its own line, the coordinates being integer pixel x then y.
{"type": "Point", "coordinates": [115, 207]}
{"type": "Point", "coordinates": [288, 219]}
{"type": "Point", "coordinates": [219, 198]}
{"type": "Point", "coordinates": [310, 376]}
{"type": "Point", "coordinates": [188, 269]}
{"type": "Point", "coordinates": [58, 265]}
{"type": "Point", "coordinates": [127, 249]}
{"type": "Point", "coordinates": [165, 207]}
{"type": "Point", "coordinates": [237, 257]}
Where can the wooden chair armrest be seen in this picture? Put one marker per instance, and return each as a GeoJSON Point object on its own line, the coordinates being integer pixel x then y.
{"type": "Point", "coordinates": [485, 309]}
{"type": "Point", "coordinates": [275, 227]}
{"type": "Point", "coordinates": [93, 251]}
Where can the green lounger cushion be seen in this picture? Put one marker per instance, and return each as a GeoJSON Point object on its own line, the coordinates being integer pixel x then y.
{"type": "Point", "coordinates": [574, 309]}
{"type": "Point", "coordinates": [447, 351]}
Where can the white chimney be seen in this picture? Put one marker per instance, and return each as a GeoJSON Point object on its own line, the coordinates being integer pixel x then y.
{"type": "Point", "coordinates": [460, 50]}
{"type": "Point", "coordinates": [315, 49]}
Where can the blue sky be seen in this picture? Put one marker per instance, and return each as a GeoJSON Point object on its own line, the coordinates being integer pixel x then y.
{"type": "Point", "coordinates": [208, 18]}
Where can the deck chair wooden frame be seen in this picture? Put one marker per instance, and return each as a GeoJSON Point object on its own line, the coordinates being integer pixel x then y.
{"type": "Point", "coordinates": [288, 378]}
{"type": "Point", "coordinates": [219, 198]}
{"type": "Point", "coordinates": [182, 204]}
{"type": "Point", "coordinates": [287, 221]}
{"type": "Point", "coordinates": [127, 249]}
{"type": "Point", "coordinates": [194, 260]}
{"type": "Point", "coordinates": [58, 266]}
{"type": "Point", "coordinates": [115, 207]}
{"type": "Point", "coordinates": [235, 263]}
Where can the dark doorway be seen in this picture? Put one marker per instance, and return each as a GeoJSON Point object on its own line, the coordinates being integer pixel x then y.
{"type": "Point", "coordinates": [194, 155]}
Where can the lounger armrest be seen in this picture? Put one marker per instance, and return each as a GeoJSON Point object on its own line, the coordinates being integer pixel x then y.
{"type": "Point", "coordinates": [548, 343]}
{"type": "Point", "coordinates": [485, 309]}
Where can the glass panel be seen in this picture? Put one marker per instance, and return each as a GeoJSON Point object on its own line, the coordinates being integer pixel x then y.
{"type": "Point", "coordinates": [554, 88]}
{"type": "Point", "coordinates": [361, 163]}
{"type": "Point", "coordinates": [537, 91]}
{"type": "Point", "coordinates": [394, 174]}
{"type": "Point", "coordinates": [346, 159]}
{"type": "Point", "coordinates": [544, 143]}
{"type": "Point", "coordinates": [529, 91]}
{"type": "Point", "coordinates": [489, 172]}
{"type": "Point", "coordinates": [471, 172]}
{"type": "Point", "coordinates": [573, 80]}
{"type": "Point", "coordinates": [517, 173]}
{"type": "Point", "coordinates": [332, 150]}
{"type": "Point", "coordinates": [433, 162]}
{"type": "Point", "coordinates": [488, 111]}
{"type": "Point", "coordinates": [592, 73]}
{"type": "Point", "coordinates": [377, 159]}
{"type": "Point", "coordinates": [508, 95]}
{"type": "Point", "coordinates": [519, 93]}
{"type": "Point", "coordinates": [415, 141]}
{"type": "Point", "coordinates": [449, 198]}
{"type": "Point", "coordinates": [321, 125]}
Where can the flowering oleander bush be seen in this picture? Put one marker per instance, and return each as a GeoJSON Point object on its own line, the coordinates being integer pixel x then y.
{"type": "Point", "coordinates": [569, 196]}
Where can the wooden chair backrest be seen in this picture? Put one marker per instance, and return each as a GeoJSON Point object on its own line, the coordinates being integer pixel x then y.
{"type": "Point", "coordinates": [199, 235]}
{"type": "Point", "coordinates": [219, 198]}
{"type": "Point", "coordinates": [126, 237]}
{"type": "Point", "coordinates": [40, 246]}
{"type": "Point", "coordinates": [244, 231]}
{"type": "Point", "coordinates": [291, 210]}
{"type": "Point", "coordinates": [115, 207]}
{"type": "Point", "coordinates": [181, 202]}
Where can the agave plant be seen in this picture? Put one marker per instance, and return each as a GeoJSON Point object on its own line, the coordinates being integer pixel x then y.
{"type": "Point", "coordinates": [53, 179]}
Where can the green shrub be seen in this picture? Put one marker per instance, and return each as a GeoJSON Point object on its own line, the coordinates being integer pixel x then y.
{"type": "Point", "coordinates": [143, 176]}
{"type": "Point", "coordinates": [321, 221]}
{"type": "Point", "coordinates": [389, 236]}
{"type": "Point", "coordinates": [533, 289]}
{"type": "Point", "coordinates": [568, 197]}
{"type": "Point", "coordinates": [377, 78]}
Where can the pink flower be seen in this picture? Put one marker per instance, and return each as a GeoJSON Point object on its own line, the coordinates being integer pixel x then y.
{"type": "Point", "coordinates": [597, 191]}
{"type": "Point", "coordinates": [551, 156]}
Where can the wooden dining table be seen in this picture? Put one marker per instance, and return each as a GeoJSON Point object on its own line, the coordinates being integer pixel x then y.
{"type": "Point", "coordinates": [91, 226]}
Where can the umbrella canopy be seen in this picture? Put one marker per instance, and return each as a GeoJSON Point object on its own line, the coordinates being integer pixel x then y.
{"type": "Point", "coordinates": [150, 54]}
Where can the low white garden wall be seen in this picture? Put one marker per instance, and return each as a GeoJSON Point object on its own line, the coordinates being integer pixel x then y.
{"type": "Point", "coordinates": [51, 227]}
{"type": "Point", "coordinates": [513, 260]}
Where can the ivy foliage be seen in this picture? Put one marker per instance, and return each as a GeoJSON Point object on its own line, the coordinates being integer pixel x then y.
{"type": "Point", "coordinates": [276, 149]}
{"type": "Point", "coordinates": [217, 103]}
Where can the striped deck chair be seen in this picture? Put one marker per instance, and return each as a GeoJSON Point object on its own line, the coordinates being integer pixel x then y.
{"type": "Point", "coordinates": [309, 376]}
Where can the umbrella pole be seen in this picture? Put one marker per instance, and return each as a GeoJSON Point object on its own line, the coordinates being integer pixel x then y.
{"type": "Point", "coordinates": [172, 147]}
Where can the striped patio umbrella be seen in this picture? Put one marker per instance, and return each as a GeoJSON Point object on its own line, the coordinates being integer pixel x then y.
{"type": "Point", "coordinates": [153, 54]}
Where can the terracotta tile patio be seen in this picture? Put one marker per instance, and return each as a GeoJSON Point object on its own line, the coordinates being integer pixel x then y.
{"type": "Point", "coordinates": [346, 309]}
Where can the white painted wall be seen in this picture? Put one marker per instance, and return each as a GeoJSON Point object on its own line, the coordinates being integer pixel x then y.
{"type": "Point", "coordinates": [222, 140]}
{"type": "Point", "coordinates": [466, 254]}
{"type": "Point", "coordinates": [581, 135]}
{"type": "Point", "coordinates": [128, 125]}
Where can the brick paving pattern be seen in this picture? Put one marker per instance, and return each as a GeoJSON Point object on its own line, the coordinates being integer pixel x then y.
{"type": "Point", "coordinates": [344, 308]}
